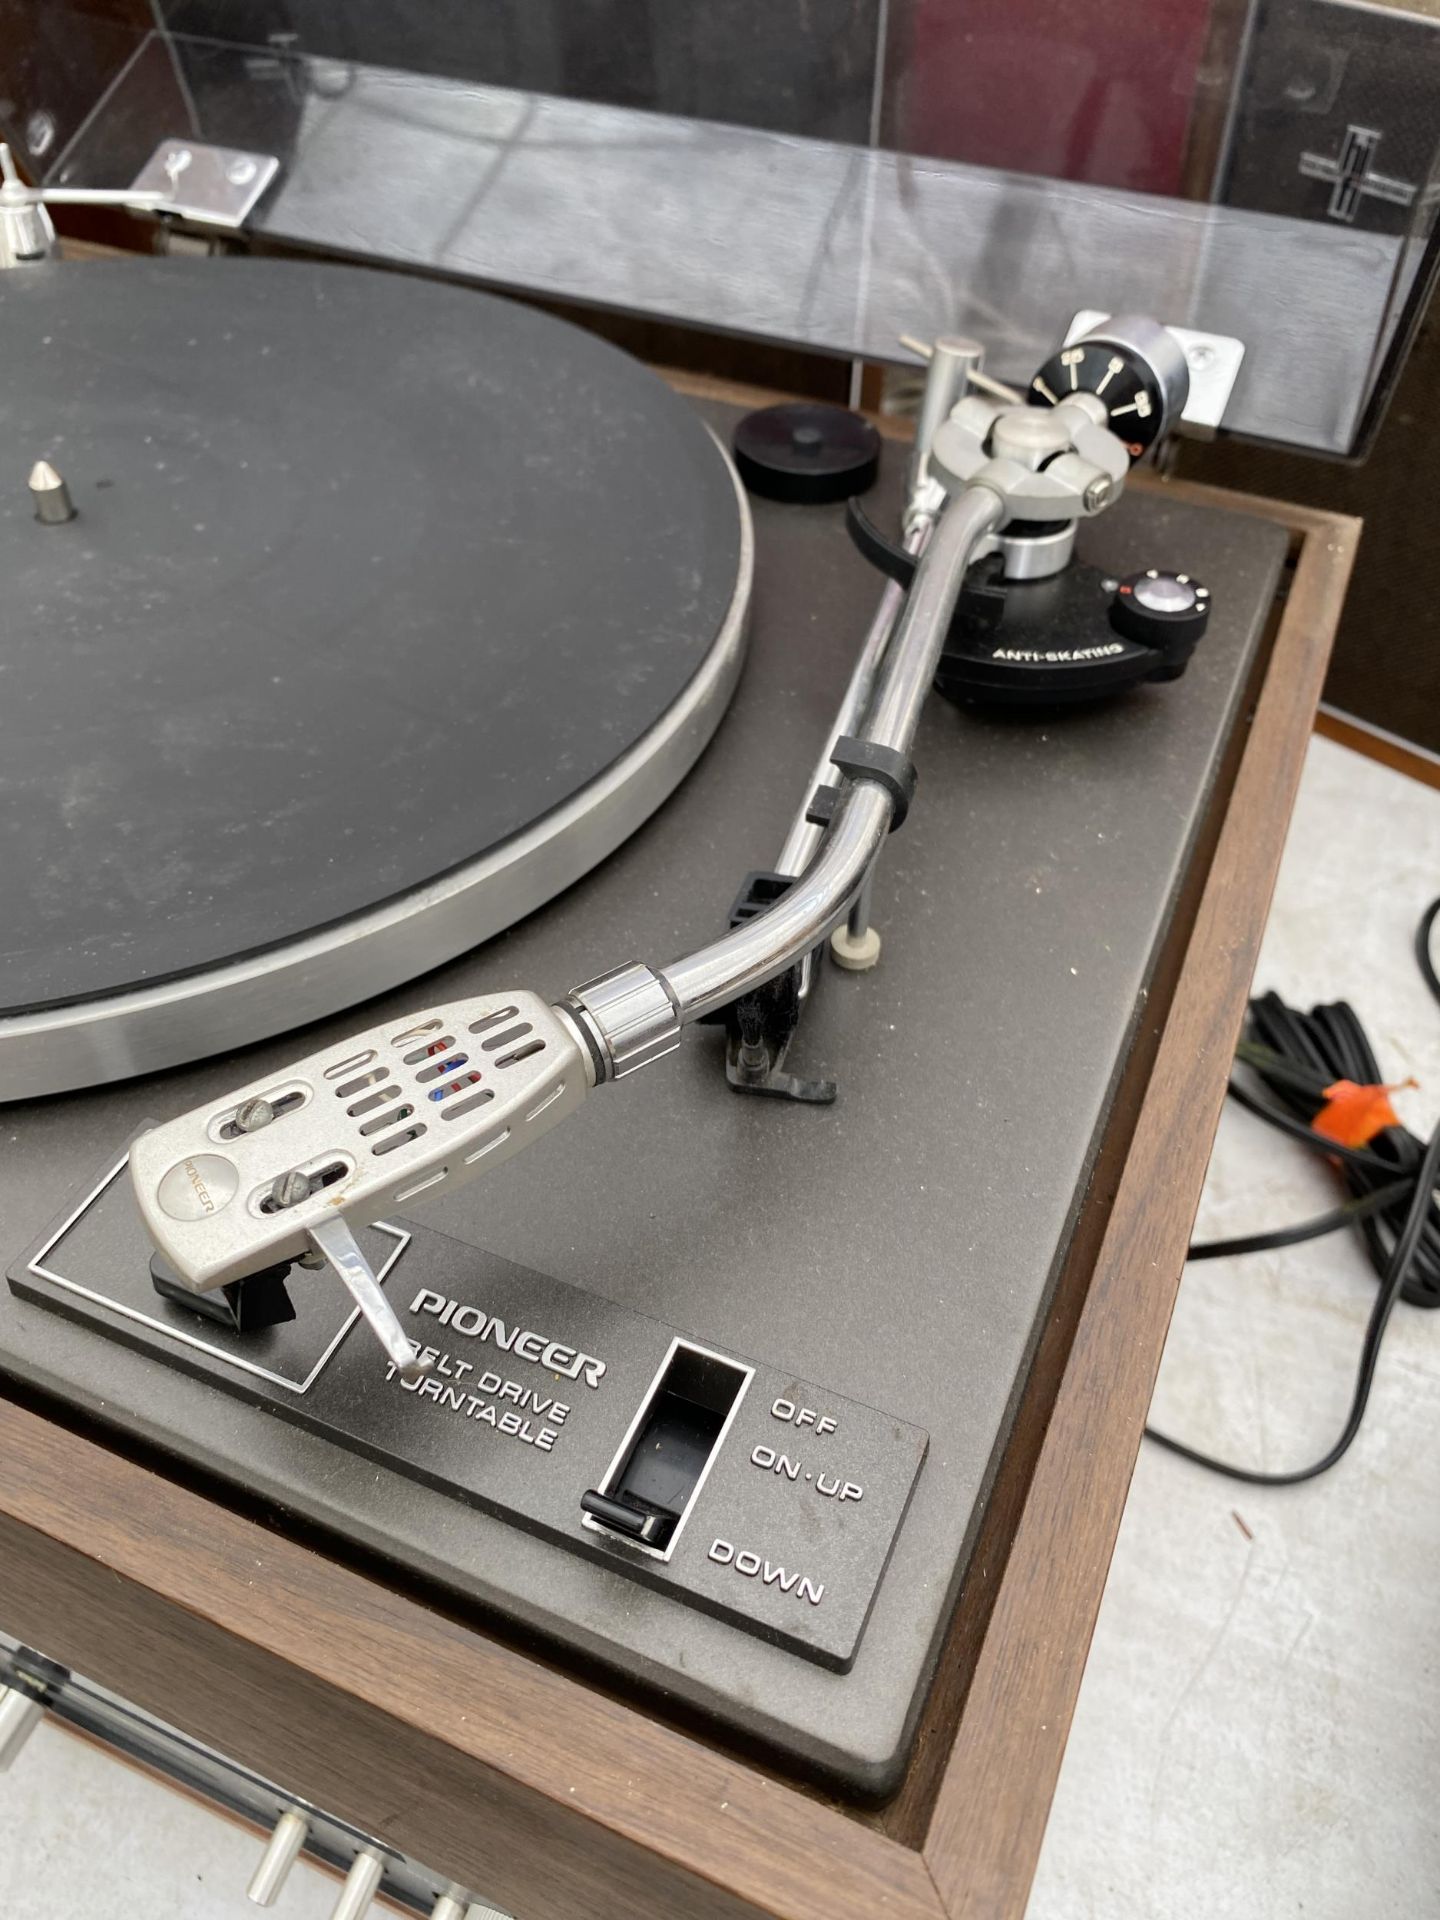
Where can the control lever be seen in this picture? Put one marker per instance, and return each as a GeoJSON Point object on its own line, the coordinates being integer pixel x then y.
{"type": "Point", "coordinates": [362, 1883]}
{"type": "Point", "coordinates": [277, 1170]}
{"type": "Point", "coordinates": [282, 1850]}
{"type": "Point", "coordinates": [20, 1714]}
{"type": "Point", "coordinates": [335, 1240]}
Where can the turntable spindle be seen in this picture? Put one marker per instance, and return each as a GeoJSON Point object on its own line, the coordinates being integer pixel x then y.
{"type": "Point", "coordinates": [53, 505]}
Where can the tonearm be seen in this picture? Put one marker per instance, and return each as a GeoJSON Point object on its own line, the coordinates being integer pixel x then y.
{"type": "Point", "coordinates": [277, 1171]}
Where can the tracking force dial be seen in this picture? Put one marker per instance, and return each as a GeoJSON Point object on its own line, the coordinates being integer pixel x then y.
{"type": "Point", "coordinates": [1135, 366]}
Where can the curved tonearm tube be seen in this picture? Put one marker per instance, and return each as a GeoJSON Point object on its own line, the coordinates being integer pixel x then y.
{"type": "Point", "coordinates": [278, 1170]}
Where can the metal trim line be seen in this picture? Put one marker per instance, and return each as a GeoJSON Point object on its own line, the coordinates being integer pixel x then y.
{"type": "Point", "coordinates": [399, 1234]}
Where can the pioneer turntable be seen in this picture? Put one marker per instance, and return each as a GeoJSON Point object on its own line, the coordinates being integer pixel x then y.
{"type": "Point", "coordinates": [615, 976]}
{"type": "Point", "coordinates": [371, 654]}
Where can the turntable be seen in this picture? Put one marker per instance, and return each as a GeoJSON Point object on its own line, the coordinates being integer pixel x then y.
{"type": "Point", "coordinates": [410, 881]}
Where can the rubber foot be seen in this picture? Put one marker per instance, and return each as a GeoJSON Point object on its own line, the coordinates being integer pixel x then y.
{"type": "Point", "coordinates": [857, 953]}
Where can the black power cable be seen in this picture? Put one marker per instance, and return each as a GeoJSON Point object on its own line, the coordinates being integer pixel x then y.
{"type": "Point", "coordinates": [1422, 947]}
{"type": "Point", "coordinates": [1391, 1183]}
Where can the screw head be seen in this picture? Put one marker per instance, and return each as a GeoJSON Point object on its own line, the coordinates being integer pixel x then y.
{"type": "Point", "coordinates": [1097, 493]}
{"type": "Point", "coordinates": [1201, 355]}
{"type": "Point", "coordinates": [251, 1115]}
{"type": "Point", "coordinates": [40, 133]}
{"type": "Point", "coordinates": [290, 1189]}
{"type": "Point", "coordinates": [241, 172]}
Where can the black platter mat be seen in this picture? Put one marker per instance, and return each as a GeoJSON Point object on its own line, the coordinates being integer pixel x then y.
{"type": "Point", "coordinates": [368, 574]}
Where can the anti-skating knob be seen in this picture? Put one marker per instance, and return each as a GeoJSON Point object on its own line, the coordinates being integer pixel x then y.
{"type": "Point", "coordinates": [1168, 611]}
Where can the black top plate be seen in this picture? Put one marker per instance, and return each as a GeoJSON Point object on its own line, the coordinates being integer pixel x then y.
{"type": "Point", "coordinates": [897, 1248]}
{"type": "Point", "coordinates": [368, 574]}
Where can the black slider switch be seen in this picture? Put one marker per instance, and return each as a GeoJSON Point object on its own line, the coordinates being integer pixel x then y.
{"type": "Point", "coordinates": [651, 1526]}
{"type": "Point", "coordinates": [668, 1452]}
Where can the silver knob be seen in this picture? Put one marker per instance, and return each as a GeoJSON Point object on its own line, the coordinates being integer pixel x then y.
{"type": "Point", "coordinates": [362, 1883]}
{"type": "Point", "coordinates": [280, 1855]}
{"type": "Point", "coordinates": [20, 1714]}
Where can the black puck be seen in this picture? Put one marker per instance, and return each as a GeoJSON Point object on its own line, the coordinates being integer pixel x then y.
{"type": "Point", "coordinates": [807, 452]}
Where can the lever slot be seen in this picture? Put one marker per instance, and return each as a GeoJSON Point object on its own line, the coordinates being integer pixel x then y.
{"type": "Point", "coordinates": [669, 1449]}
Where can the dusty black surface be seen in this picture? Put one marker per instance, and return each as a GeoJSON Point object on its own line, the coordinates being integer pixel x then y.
{"type": "Point", "coordinates": [896, 1248]}
{"type": "Point", "coordinates": [368, 574]}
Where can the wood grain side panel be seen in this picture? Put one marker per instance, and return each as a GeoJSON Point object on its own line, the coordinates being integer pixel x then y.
{"type": "Point", "coordinates": [994, 1798]}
